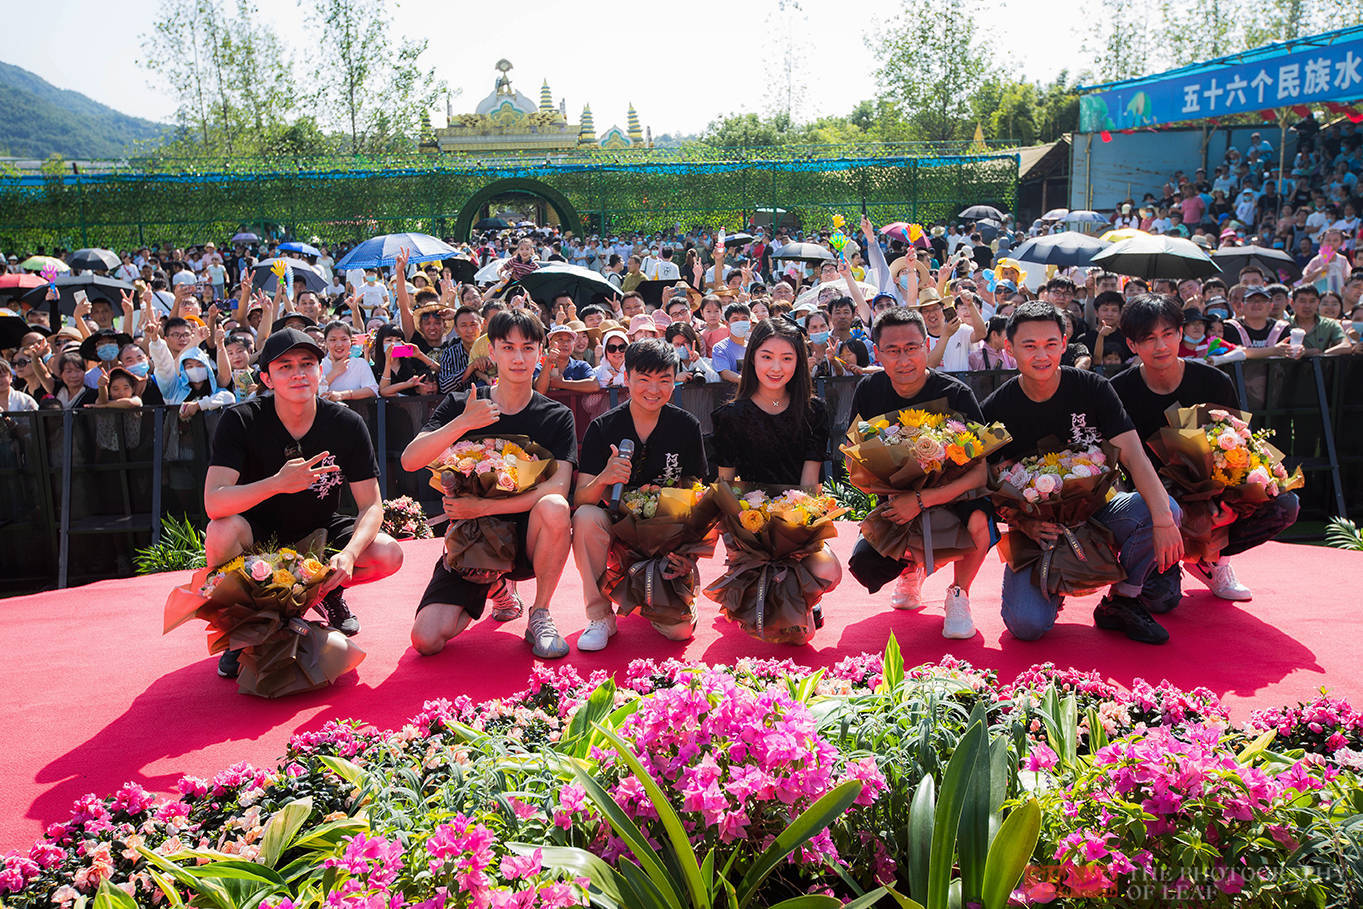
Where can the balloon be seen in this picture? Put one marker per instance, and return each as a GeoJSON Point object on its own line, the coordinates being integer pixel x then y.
{"type": "Point", "coordinates": [989, 279]}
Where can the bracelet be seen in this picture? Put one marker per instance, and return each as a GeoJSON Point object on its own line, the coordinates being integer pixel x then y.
{"type": "Point", "coordinates": [918, 496]}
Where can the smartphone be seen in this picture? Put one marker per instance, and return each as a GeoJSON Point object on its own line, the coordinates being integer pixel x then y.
{"type": "Point", "coordinates": [403, 350]}
{"type": "Point", "coordinates": [949, 313]}
{"type": "Point", "coordinates": [80, 297]}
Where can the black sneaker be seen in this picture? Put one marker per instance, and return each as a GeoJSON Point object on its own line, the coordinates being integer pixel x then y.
{"type": "Point", "coordinates": [1118, 613]}
{"type": "Point", "coordinates": [338, 613]}
{"type": "Point", "coordinates": [229, 665]}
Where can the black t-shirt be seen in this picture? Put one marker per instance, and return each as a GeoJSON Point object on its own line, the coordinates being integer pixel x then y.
{"type": "Point", "coordinates": [1113, 342]}
{"type": "Point", "coordinates": [251, 440]}
{"type": "Point", "coordinates": [419, 367]}
{"type": "Point", "coordinates": [1073, 352]}
{"type": "Point", "coordinates": [1084, 410]}
{"type": "Point", "coordinates": [543, 420]}
{"type": "Point", "coordinates": [1202, 384]}
{"type": "Point", "coordinates": [769, 448]}
{"type": "Point", "coordinates": [674, 448]}
{"type": "Point", "coordinates": [875, 395]}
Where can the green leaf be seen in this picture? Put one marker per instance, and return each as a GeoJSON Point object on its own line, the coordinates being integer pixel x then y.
{"type": "Point", "coordinates": [921, 815]}
{"type": "Point", "coordinates": [168, 890]}
{"type": "Point", "coordinates": [866, 900]}
{"type": "Point", "coordinates": [596, 709]}
{"type": "Point", "coordinates": [816, 817]}
{"type": "Point", "coordinates": [809, 901]}
{"type": "Point", "coordinates": [955, 785]}
{"type": "Point", "coordinates": [280, 830]}
{"type": "Point", "coordinates": [891, 668]}
{"type": "Point", "coordinates": [1010, 853]}
{"type": "Point", "coordinates": [346, 770]}
{"type": "Point", "coordinates": [578, 862]}
{"type": "Point", "coordinates": [238, 871]}
{"type": "Point", "coordinates": [1255, 748]}
{"type": "Point", "coordinates": [110, 897]}
{"type": "Point", "coordinates": [973, 835]}
{"type": "Point", "coordinates": [1097, 734]}
{"type": "Point", "coordinates": [210, 890]}
{"type": "Point", "coordinates": [903, 901]}
{"type": "Point", "coordinates": [647, 895]}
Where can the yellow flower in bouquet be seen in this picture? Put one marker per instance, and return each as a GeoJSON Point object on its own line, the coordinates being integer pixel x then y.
{"type": "Point", "coordinates": [311, 570]}
{"type": "Point", "coordinates": [283, 579]}
{"type": "Point", "coordinates": [753, 520]}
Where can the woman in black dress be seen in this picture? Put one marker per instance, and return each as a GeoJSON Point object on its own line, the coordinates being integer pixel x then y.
{"type": "Point", "coordinates": [775, 431]}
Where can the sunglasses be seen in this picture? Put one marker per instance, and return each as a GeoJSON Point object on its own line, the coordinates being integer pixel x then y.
{"type": "Point", "coordinates": [22, 361]}
{"type": "Point", "coordinates": [614, 348]}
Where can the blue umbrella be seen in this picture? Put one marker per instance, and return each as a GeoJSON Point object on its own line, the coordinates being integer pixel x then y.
{"type": "Point", "coordinates": [382, 250]}
{"type": "Point", "coordinates": [296, 246]}
{"type": "Point", "coordinates": [1062, 249]}
{"type": "Point", "coordinates": [1085, 217]}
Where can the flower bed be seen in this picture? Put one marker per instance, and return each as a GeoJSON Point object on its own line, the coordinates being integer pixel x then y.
{"type": "Point", "coordinates": [751, 784]}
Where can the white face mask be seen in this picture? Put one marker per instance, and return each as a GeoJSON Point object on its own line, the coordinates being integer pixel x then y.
{"type": "Point", "coordinates": [196, 373]}
{"type": "Point", "coordinates": [739, 329]}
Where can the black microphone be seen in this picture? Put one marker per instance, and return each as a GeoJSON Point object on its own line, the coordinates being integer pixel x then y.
{"type": "Point", "coordinates": [626, 449]}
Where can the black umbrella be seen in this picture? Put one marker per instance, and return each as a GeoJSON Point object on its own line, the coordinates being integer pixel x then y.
{"type": "Point", "coordinates": [461, 269]}
{"type": "Point", "coordinates": [803, 252]}
{"type": "Point", "coordinates": [96, 287]}
{"type": "Point", "coordinates": [245, 236]}
{"type": "Point", "coordinates": [1274, 261]}
{"type": "Point", "coordinates": [1064, 249]}
{"type": "Point", "coordinates": [738, 239]}
{"type": "Point", "coordinates": [491, 224]}
{"type": "Point", "coordinates": [91, 259]}
{"type": "Point", "coordinates": [263, 276]}
{"type": "Point", "coordinates": [1157, 257]}
{"type": "Point", "coordinates": [12, 331]}
{"type": "Point", "coordinates": [979, 212]}
{"type": "Point", "coordinates": [558, 278]}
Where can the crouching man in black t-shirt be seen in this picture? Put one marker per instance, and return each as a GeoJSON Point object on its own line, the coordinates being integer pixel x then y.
{"type": "Point", "coordinates": [1153, 325]}
{"type": "Point", "coordinates": [1080, 409]}
{"type": "Point", "coordinates": [276, 472]}
{"type": "Point", "coordinates": [542, 517]}
{"type": "Point", "coordinates": [667, 447]}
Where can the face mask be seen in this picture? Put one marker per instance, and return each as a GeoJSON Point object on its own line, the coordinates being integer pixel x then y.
{"type": "Point", "coordinates": [138, 369]}
{"type": "Point", "coordinates": [370, 279]}
{"type": "Point", "coordinates": [1220, 313]}
{"type": "Point", "coordinates": [196, 373]}
{"type": "Point", "coordinates": [356, 351]}
{"type": "Point", "coordinates": [818, 337]}
{"type": "Point", "coordinates": [740, 329]}
{"type": "Point", "coordinates": [1191, 339]}
{"type": "Point", "coordinates": [683, 352]}
{"type": "Point", "coordinates": [106, 351]}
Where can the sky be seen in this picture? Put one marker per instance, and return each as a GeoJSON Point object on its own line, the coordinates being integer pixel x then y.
{"type": "Point", "coordinates": [607, 55]}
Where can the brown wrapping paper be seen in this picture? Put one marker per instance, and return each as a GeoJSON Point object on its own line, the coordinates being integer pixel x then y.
{"type": "Point", "coordinates": [881, 469]}
{"type": "Point", "coordinates": [636, 565]}
{"type": "Point", "coordinates": [766, 587]}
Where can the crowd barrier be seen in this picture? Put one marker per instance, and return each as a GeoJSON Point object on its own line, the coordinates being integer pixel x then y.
{"type": "Point", "coordinates": [81, 490]}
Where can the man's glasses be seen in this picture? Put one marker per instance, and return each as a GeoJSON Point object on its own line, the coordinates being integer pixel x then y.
{"type": "Point", "coordinates": [614, 348]}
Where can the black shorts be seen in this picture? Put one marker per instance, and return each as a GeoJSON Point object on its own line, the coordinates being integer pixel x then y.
{"type": "Point", "coordinates": [874, 570]}
{"type": "Point", "coordinates": [449, 587]}
{"type": "Point", "coordinates": [339, 530]}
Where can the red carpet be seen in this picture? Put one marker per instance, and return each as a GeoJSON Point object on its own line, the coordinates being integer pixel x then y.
{"type": "Point", "coordinates": [94, 696]}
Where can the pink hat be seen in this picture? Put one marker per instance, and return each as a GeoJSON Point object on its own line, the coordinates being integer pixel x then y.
{"type": "Point", "coordinates": [643, 322]}
{"type": "Point", "coordinates": [660, 318]}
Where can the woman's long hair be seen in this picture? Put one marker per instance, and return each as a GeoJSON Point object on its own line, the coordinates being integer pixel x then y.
{"type": "Point", "coordinates": [800, 386]}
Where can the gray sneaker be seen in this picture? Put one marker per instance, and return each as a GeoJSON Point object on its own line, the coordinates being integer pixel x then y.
{"type": "Point", "coordinates": [544, 640]}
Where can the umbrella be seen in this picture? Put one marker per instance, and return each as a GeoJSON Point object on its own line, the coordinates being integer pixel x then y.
{"type": "Point", "coordinates": [738, 239]}
{"type": "Point", "coordinates": [461, 269]}
{"type": "Point", "coordinates": [907, 233]}
{"type": "Point", "coordinates": [1063, 249]}
{"type": "Point", "coordinates": [245, 236]}
{"type": "Point", "coordinates": [14, 285]}
{"type": "Point", "coordinates": [299, 247]}
{"type": "Point", "coordinates": [976, 212]}
{"type": "Point", "coordinates": [804, 252]}
{"type": "Point", "coordinates": [812, 295]}
{"type": "Point", "coordinates": [1157, 257]}
{"type": "Point", "coordinates": [383, 249]}
{"type": "Point", "coordinates": [1086, 217]}
{"type": "Point", "coordinates": [558, 278]}
{"type": "Point", "coordinates": [12, 331]}
{"type": "Point", "coordinates": [263, 276]}
{"type": "Point", "coordinates": [96, 287]}
{"type": "Point", "coordinates": [491, 272]}
{"type": "Point", "coordinates": [1233, 258]}
{"type": "Point", "coordinates": [525, 223]}
{"type": "Point", "coordinates": [1055, 214]}
{"type": "Point", "coordinates": [1123, 233]}
{"type": "Point", "coordinates": [91, 259]}
{"type": "Point", "coordinates": [491, 224]}
{"type": "Point", "coordinates": [38, 263]}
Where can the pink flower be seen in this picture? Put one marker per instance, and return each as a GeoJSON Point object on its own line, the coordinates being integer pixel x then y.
{"type": "Point", "coordinates": [1041, 757]}
{"type": "Point", "coordinates": [515, 867]}
{"type": "Point", "coordinates": [260, 570]}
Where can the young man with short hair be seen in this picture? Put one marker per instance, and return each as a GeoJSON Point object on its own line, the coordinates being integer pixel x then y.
{"type": "Point", "coordinates": [1256, 331]}
{"type": "Point", "coordinates": [667, 448]}
{"type": "Point", "coordinates": [900, 339]}
{"type": "Point", "coordinates": [277, 466]}
{"type": "Point", "coordinates": [1080, 409]}
{"type": "Point", "coordinates": [1323, 336]}
{"type": "Point", "coordinates": [726, 357]}
{"type": "Point", "coordinates": [1159, 381]}
{"type": "Point", "coordinates": [540, 516]}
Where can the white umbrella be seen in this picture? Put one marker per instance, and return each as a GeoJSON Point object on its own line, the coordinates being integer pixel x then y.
{"type": "Point", "coordinates": [489, 273]}
{"type": "Point", "coordinates": [812, 295]}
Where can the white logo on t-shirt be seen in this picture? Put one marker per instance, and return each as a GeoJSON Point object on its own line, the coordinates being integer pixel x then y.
{"type": "Point", "coordinates": [1080, 433]}
{"type": "Point", "coordinates": [326, 482]}
{"type": "Point", "coordinates": [671, 468]}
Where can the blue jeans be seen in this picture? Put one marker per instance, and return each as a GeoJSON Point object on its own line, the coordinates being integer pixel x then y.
{"type": "Point", "coordinates": [1163, 591]}
{"type": "Point", "coordinates": [1029, 612]}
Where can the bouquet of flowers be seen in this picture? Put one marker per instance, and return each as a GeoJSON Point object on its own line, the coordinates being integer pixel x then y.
{"type": "Point", "coordinates": [1064, 486]}
{"type": "Point", "coordinates": [769, 531]}
{"type": "Point", "coordinates": [404, 519]}
{"type": "Point", "coordinates": [654, 522]}
{"type": "Point", "coordinates": [256, 603]}
{"type": "Point", "coordinates": [1219, 470]}
{"type": "Point", "coordinates": [909, 451]}
{"type": "Point", "coordinates": [481, 549]}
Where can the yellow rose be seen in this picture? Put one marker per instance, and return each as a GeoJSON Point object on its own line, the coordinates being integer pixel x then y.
{"type": "Point", "coordinates": [312, 569]}
{"type": "Point", "coordinates": [752, 520]}
{"type": "Point", "coordinates": [283, 579]}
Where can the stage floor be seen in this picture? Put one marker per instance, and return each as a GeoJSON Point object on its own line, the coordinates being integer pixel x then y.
{"type": "Point", "coordinates": [93, 695]}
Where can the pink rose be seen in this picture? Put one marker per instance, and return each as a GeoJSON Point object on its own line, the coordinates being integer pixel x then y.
{"type": "Point", "coordinates": [260, 570]}
{"type": "Point", "coordinates": [1227, 441]}
{"type": "Point", "coordinates": [1046, 484]}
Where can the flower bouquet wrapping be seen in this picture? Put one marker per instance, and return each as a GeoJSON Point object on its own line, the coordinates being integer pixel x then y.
{"type": "Point", "coordinates": [403, 519]}
{"type": "Point", "coordinates": [909, 451]}
{"type": "Point", "coordinates": [484, 548]}
{"type": "Point", "coordinates": [655, 521]}
{"type": "Point", "coordinates": [1064, 486]}
{"type": "Point", "coordinates": [769, 531]}
{"type": "Point", "coordinates": [1219, 470]}
{"type": "Point", "coordinates": [256, 603]}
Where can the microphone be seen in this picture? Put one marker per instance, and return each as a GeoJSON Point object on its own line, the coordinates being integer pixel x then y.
{"type": "Point", "coordinates": [626, 449]}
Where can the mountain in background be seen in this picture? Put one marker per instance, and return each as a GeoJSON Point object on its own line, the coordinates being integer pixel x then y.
{"type": "Point", "coordinates": [43, 120]}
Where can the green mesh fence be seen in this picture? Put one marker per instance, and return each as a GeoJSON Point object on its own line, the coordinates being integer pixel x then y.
{"type": "Point", "coordinates": [125, 210]}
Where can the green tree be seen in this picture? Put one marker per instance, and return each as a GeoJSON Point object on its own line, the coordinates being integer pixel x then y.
{"type": "Point", "coordinates": [932, 61]}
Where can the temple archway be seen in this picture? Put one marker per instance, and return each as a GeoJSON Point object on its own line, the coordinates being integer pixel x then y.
{"type": "Point", "coordinates": [472, 210]}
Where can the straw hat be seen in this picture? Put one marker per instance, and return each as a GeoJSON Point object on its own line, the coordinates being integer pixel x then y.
{"type": "Point", "coordinates": [900, 264]}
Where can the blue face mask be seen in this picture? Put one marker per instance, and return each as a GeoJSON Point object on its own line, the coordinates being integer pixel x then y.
{"type": "Point", "coordinates": [740, 329]}
{"type": "Point", "coordinates": [818, 337]}
{"type": "Point", "coordinates": [138, 369]}
{"type": "Point", "coordinates": [106, 351]}
{"type": "Point", "coordinates": [356, 351]}
{"type": "Point", "coordinates": [683, 352]}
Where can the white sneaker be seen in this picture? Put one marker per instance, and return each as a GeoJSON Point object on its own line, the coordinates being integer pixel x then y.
{"type": "Point", "coordinates": [958, 624]}
{"type": "Point", "coordinates": [597, 634]}
{"type": "Point", "coordinates": [909, 588]}
{"type": "Point", "coordinates": [1220, 579]}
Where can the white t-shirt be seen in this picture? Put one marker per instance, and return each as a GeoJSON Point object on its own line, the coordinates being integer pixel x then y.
{"type": "Point", "coordinates": [665, 270]}
{"type": "Point", "coordinates": [956, 358]}
{"type": "Point", "coordinates": [357, 375]}
{"type": "Point", "coordinates": [20, 402]}
{"type": "Point", "coordinates": [373, 297]}
{"type": "Point", "coordinates": [607, 377]}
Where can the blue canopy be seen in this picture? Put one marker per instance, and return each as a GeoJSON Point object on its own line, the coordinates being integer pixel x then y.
{"type": "Point", "coordinates": [303, 248]}
{"type": "Point", "coordinates": [383, 250]}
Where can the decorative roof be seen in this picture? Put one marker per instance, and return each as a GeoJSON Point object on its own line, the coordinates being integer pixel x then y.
{"type": "Point", "coordinates": [503, 96]}
{"type": "Point", "coordinates": [636, 133]}
{"type": "Point", "coordinates": [546, 97]}
{"type": "Point", "coordinates": [586, 134]}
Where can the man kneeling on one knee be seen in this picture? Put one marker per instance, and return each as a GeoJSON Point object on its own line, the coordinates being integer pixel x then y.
{"type": "Point", "coordinates": [667, 448]}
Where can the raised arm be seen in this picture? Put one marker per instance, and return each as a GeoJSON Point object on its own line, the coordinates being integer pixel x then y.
{"type": "Point", "coordinates": [408, 322]}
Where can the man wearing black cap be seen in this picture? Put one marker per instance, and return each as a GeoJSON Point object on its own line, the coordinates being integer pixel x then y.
{"type": "Point", "coordinates": [276, 472]}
